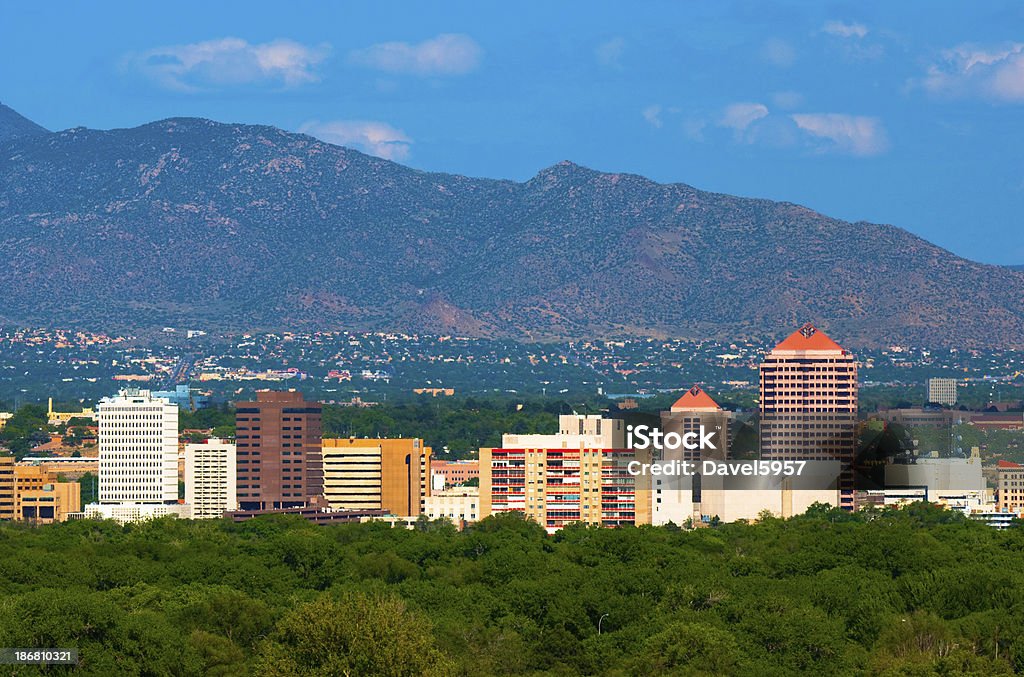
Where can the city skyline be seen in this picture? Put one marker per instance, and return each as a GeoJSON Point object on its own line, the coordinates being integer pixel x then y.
{"type": "Point", "coordinates": [877, 113]}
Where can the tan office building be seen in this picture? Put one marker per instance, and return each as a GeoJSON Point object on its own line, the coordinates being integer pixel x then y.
{"type": "Point", "coordinates": [1010, 487]}
{"type": "Point", "coordinates": [376, 474]}
{"type": "Point", "coordinates": [30, 493]}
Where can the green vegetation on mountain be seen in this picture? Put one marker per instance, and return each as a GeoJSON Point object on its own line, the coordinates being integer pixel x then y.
{"type": "Point", "coordinates": [189, 222]}
{"type": "Point", "coordinates": [918, 591]}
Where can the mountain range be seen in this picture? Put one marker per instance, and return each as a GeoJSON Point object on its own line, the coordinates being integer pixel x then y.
{"type": "Point", "coordinates": [190, 222]}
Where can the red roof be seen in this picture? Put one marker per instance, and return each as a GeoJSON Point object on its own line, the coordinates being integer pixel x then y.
{"type": "Point", "coordinates": [808, 337]}
{"type": "Point", "coordinates": [695, 398]}
{"type": "Point", "coordinates": [1008, 464]}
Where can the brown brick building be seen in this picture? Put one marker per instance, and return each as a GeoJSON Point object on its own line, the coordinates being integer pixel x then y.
{"type": "Point", "coordinates": [279, 462]}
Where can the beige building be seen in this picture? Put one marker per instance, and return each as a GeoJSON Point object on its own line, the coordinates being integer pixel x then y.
{"type": "Point", "coordinates": [30, 493]}
{"type": "Point", "coordinates": [381, 474]}
{"type": "Point", "coordinates": [39, 498]}
{"type": "Point", "coordinates": [1010, 488]}
{"type": "Point", "coordinates": [942, 391]}
{"type": "Point", "coordinates": [62, 417]}
{"type": "Point", "coordinates": [676, 499]}
{"type": "Point", "coordinates": [808, 392]}
{"type": "Point", "coordinates": [210, 478]}
{"type": "Point", "coordinates": [7, 487]}
{"type": "Point", "coordinates": [461, 505]}
{"type": "Point", "coordinates": [578, 475]}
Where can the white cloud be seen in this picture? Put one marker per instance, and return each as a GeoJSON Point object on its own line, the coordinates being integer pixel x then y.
{"type": "Point", "coordinates": [371, 136]}
{"type": "Point", "coordinates": [989, 72]}
{"type": "Point", "coordinates": [652, 114]}
{"type": "Point", "coordinates": [446, 54]}
{"type": "Point", "coordinates": [230, 61]}
{"type": "Point", "coordinates": [853, 134]}
{"type": "Point", "coordinates": [739, 116]}
{"type": "Point", "coordinates": [845, 30]}
{"type": "Point", "coordinates": [778, 53]}
{"type": "Point", "coordinates": [609, 52]}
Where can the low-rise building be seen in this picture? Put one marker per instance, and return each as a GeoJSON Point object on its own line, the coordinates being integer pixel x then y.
{"type": "Point", "coordinates": [461, 505]}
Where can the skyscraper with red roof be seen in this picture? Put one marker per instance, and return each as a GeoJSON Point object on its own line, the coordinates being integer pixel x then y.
{"type": "Point", "coordinates": [808, 388]}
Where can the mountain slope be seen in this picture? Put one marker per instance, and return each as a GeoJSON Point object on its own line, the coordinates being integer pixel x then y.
{"type": "Point", "coordinates": [188, 221]}
{"type": "Point", "coordinates": [14, 124]}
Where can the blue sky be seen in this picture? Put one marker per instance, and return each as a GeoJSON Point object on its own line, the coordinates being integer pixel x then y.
{"type": "Point", "coordinates": [895, 112]}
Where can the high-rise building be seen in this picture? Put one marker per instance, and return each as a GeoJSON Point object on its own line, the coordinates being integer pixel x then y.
{"type": "Point", "coordinates": [381, 474]}
{"type": "Point", "coordinates": [138, 457]}
{"type": "Point", "coordinates": [677, 499]}
{"type": "Point", "coordinates": [578, 475]}
{"type": "Point", "coordinates": [278, 453]}
{"type": "Point", "coordinates": [942, 391]}
{"type": "Point", "coordinates": [808, 397]}
{"type": "Point", "coordinates": [210, 478]}
{"type": "Point", "coordinates": [1010, 487]}
{"type": "Point", "coordinates": [138, 449]}
{"type": "Point", "coordinates": [7, 487]}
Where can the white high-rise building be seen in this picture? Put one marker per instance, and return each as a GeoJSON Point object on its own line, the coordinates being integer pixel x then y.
{"type": "Point", "coordinates": [210, 478]}
{"type": "Point", "coordinates": [138, 457]}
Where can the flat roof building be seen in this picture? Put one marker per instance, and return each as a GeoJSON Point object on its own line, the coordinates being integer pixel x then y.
{"type": "Point", "coordinates": [210, 478]}
{"type": "Point", "coordinates": [578, 475]}
{"type": "Point", "coordinates": [278, 454]}
{"type": "Point", "coordinates": [377, 474]}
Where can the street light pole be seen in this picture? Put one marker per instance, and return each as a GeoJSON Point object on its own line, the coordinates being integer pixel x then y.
{"type": "Point", "coordinates": [599, 621]}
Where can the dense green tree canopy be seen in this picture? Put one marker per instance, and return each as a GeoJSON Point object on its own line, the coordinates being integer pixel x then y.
{"type": "Point", "coordinates": [916, 591]}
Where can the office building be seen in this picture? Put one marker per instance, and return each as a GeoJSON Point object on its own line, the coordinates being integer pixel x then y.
{"type": "Point", "coordinates": [808, 395]}
{"type": "Point", "coordinates": [1010, 487]}
{"type": "Point", "coordinates": [278, 456]}
{"type": "Point", "coordinates": [210, 478]}
{"type": "Point", "coordinates": [677, 499]}
{"type": "Point", "coordinates": [7, 487]}
{"type": "Point", "coordinates": [40, 499]}
{"type": "Point", "coordinates": [942, 391]}
{"type": "Point", "coordinates": [186, 397]}
{"type": "Point", "coordinates": [138, 457]}
{"type": "Point", "coordinates": [460, 505]}
{"type": "Point", "coordinates": [376, 474]}
{"type": "Point", "coordinates": [578, 475]}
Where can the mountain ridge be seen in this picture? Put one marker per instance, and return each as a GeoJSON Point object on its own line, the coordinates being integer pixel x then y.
{"type": "Point", "coordinates": [193, 221]}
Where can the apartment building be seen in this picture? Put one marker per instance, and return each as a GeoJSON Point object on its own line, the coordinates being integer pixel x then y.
{"type": "Point", "coordinates": [579, 474]}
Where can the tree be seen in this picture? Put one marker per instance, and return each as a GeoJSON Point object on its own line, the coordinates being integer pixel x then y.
{"type": "Point", "coordinates": [354, 634]}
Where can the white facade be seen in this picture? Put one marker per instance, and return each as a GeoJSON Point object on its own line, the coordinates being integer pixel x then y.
{"type": "Point", "coordinates": [210, 478]}
{"type": "Point", "coordinates": [138, 449]}
{"type": "Point", "coordinates": [460, 504]}
{"type": "Point", "coordinates": [134, 512]}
